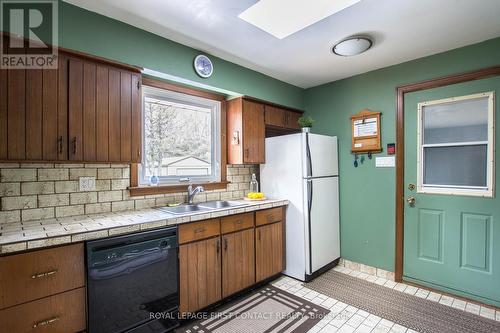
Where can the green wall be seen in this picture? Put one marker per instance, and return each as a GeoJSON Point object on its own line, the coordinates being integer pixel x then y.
{"type": "Point", "coordinates": [367, 194]}
{"type": "Point", "coordinates": [92, 33]}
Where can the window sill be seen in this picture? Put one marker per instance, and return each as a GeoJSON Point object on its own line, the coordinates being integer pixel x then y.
{"type": "Point", "coordinates": [165, 189]}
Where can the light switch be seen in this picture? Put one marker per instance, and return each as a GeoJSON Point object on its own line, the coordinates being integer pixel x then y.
{"type": "Point", "coordinates": [87, 184]}
{"type": "Point", "coordinates": [385, 162]}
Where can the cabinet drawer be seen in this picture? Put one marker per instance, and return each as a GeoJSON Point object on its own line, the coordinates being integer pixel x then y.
{"type": "Point", "coordinates": [236, 222]}
{"type": "Point", "coordinates": [64, 313]}
{"type": "Point", "coordinates": [269, 216]}
{"type": "Point", "coordinates": [198, 230]}
{"type": "Point", "coordinates": [28, 276]}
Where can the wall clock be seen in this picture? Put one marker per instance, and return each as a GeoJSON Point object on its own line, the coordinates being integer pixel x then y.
{"type": "Point", "coordinates": [203, 66]}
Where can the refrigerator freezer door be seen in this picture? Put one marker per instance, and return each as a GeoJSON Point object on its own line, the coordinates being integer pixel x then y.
{"type": "Point", "coordinates": [322, 222]}
{"type": "Point", "coordinates": [320, 158]}
{"type": "Point", "coordinates": [281, 177]}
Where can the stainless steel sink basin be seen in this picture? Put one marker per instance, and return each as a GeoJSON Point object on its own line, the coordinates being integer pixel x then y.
{"type": "Point", "coordinates": [184, 209]}
{"type": "Point", "coordinates": [221, 204]}
{"type": "Point", "coordinates": [201, 207]}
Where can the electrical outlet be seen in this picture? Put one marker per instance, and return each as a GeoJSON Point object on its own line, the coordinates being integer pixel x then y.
{"type": "Point", "coordinates": [87, 184]}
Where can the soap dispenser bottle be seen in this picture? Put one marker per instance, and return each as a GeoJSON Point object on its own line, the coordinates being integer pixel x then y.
{"type": "Point", "coordinates": [254, 184]}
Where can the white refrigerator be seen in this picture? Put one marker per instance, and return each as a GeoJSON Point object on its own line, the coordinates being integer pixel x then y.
{"type": "Point", "coordinates": [303, 168]}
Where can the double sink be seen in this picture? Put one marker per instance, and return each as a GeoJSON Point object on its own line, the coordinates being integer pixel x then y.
{"type": "Point", "coordinates": [202, 206]}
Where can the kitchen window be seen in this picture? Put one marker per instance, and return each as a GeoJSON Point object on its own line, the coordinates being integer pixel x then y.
{"type": "Point", "coordinates": [181, 138]}
{"type": "Point", "coordinates": [456, 145]}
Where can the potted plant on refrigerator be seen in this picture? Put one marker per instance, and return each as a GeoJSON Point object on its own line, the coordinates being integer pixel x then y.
{"type": "Point", "coordinates": [306, 123]}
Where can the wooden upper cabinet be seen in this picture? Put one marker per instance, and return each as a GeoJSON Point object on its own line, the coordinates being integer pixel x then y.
{"type": "Point", "coordinates": [283, 118]}
{"type": "Point", "coordinates": [104, 113]}
{"type": "Point", "coordinates": [87, 110]}
{"type": "Point", "coordinates": [33, 114]}
{"type": "Point", "coordinates": [246, 132]}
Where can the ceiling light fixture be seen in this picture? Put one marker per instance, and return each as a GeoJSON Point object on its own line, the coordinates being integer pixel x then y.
{"type": "Point", "coordinates": [352, 46]}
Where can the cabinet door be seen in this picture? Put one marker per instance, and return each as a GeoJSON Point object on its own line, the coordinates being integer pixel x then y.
{"type": "Point", "coordinates": [238, 261]}
{"type": "Point", "coordinates": [293, 120]}
{"type": "Point", "coordinates": [200, 274]}
{"type": "Point", "coordinates": [269, 250]}
{"type": "Point", "coordinates": [254, 132]}
{"type": "Point", "coordinates": [274, 116]}
{"type": "Point", "coordinates": [30, 112]}
{"type": "Point", "coordinates": [104, 113]}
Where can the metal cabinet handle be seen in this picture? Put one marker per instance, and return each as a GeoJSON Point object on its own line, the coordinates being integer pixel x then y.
{"type": "Point", "coordinates": [218, 246]}
{"type": "Point", "coordinates": [46, 322]}
{"type": "Point", "coordinates": [74, 145]}
{"type": "Point", "coordinates": [42, 275]}
{"type": "Point", "coordinates": [225, 244]}
{"type": "Point", "coordinates": [60, 144]}
{"type": "Point", "coordinates": [270, 218]}
{"type": "Point", "coordinates": [198, 230]}
{"type": "Point", "coordinates": [247, 152]}
{"type": "Point", "coordinates": [238, 222]}
{"type": "Point", "coordinates": [259, 234]}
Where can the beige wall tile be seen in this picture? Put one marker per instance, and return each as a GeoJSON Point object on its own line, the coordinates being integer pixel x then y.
{"type": "Point", "coordinates": [106, 196]}
{"type": "Point", "coordinates": [98, 208]}
{"type": "Point", "coordinates": [10, 189]}
{"type": "Point", "coordinates": [97, 165]}
{"type": "Point", "coordinates": [37, 188]}
{"type": "Point", "coordinates": [36, 165]}
{"type": "Point", "coordinates": [52, 200]}
{"type": "Point", "coordinates": [103, 185]}
{"type": "Point", "coordinates": [112, 173]}
{"type": "Point", "coordinates": [53, 174]}
{"type": "Point", "coordinates": [17, 175]}
{"type": "Point", "coordinates": [38, 214]}
{"type": "Point", "coordinates": [49, 242]}
{"type": "Point", "coordinates": [20, 202]}
{"type": "Point", "coordinates": [75, 174]}
{"type": "Point", "coordinates": [83, 198]}
{"type": "Point", "coordinates": [10, 216]}
{"type": "Point", "coordinates": [120, 184]}
{"type": "Point", "coordinates": [66, 186]}
{"type": "Point", "coordinates": [144, 203]}
{"type": "Point", "coordinates": [68, 165]}
{"type": "Point", "coordinates": [70, 210]}
{"type": "Point", "coordinates": [9, 165]}
{"type": "Point", "coordinates": [122, 205]}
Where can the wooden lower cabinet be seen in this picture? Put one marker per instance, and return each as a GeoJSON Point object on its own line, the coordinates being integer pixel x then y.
{"type": "Point", "coordinates": [269, 246]}
{"type": "Point", "coordinates": [62, 313]}
{"type": "Point", "coordinates": [238, 261]}
{"type": "Point", "coordinates": [200, 274]}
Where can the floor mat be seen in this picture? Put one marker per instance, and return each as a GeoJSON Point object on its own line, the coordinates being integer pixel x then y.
{"type": "Point", "coordinates": [411, 311]}
{"type": "Point", "coordinates": [265, 310]}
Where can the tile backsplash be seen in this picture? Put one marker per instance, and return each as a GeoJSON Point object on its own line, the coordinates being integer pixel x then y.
{"type": "Point", "coordinates": [43, 191]}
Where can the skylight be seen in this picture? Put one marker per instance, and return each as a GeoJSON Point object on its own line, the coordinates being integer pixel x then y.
{"type": "Point", "coordinates": [283, 18]}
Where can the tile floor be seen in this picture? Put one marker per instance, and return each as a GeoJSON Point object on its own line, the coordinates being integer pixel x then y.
{"type": "Point", "coordinates": [346, 318]}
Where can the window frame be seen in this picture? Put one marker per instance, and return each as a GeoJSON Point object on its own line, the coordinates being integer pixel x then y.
{"type": "Point", "coordinates": [168, 184]}
{"type": "Point", "coordinates": [479, 191]}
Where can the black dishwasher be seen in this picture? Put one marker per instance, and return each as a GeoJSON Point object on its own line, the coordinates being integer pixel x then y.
{"type": "Point", "coordinates": [132, 283]}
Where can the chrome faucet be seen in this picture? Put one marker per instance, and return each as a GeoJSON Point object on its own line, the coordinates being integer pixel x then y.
{"type": "Point", "coordinates": [192, 193]}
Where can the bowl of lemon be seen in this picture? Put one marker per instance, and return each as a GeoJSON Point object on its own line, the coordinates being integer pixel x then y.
{"type": "Point", "coordinates": [255, 196]}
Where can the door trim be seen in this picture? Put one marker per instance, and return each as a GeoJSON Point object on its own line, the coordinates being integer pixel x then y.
{"type": "Point", "coordinates": [400, 96]}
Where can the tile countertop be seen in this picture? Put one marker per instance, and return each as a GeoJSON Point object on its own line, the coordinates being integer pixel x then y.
{"type": "Point", "coordinates": [20, 236]}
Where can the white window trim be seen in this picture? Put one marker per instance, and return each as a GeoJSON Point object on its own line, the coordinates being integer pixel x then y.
{"type": "Point", "coordinates": [487, 191]}
{"type": "Point", "coordinates": [216, 135]}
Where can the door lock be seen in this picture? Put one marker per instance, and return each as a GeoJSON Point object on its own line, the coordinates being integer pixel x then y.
{"type": "Point", "coordinates": [411, 187]}
{"type": "Point", "coordinates": [411, 201]}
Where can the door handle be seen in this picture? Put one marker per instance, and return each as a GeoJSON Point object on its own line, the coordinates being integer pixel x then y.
{"type": "Point", "coordinates": [411, 201]}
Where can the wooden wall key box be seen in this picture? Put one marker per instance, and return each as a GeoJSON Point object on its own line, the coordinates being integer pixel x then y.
{"type": "Point", "coordinates": [365, 127]}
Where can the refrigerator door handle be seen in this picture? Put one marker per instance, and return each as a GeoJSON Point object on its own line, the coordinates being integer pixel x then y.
{"type": "Point", "coordinates": [309, 159]}
{"type": "Point", "coordinates": [309, 210]}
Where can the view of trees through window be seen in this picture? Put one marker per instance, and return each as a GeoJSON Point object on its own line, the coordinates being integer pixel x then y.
{"type": "Point", "coordinates": [178, 138]}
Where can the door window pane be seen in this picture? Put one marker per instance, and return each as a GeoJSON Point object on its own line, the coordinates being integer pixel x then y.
{"type": "Point", "coordinates": [455, 166]}
{"type": "Point", "coordinates": [461, 121]}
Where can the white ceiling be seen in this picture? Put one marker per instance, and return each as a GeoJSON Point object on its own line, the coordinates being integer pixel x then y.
{"type": "Point", "coordinates": [402, 30]}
